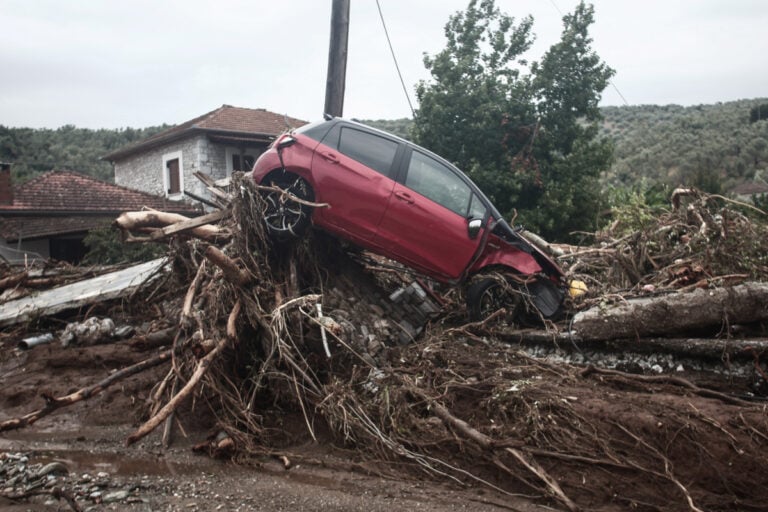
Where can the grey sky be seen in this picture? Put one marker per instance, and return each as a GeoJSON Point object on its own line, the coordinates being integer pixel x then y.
{"type": "Point", "coordinates": [104, 63]}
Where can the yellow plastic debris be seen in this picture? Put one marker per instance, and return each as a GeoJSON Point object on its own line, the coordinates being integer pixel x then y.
{"type": "Point", "coordinates": [577, 288]}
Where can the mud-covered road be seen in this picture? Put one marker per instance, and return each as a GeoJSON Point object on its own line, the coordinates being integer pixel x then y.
{"type": "Point", "coordinates": [87, 440]}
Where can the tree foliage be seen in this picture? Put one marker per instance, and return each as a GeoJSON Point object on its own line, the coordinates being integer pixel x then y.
{"type": "Point", "coordinates": [527, 133]}
{"type": "Point", "coordinates": [35, 151]}
{"type": "Point", "coordinates": [105, 247]}
{"type": "Point", "coordinates": [758, 113]}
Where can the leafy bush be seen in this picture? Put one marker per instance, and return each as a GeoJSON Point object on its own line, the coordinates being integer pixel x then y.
{"type": "Point", "coordinates": [635, 208]}
{"type": "Point", "coordinates": [106, 248]}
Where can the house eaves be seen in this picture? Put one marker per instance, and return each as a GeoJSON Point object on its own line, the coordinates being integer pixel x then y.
{"type": "Point", "coordinates": [151, 143]}
{"type": "Point", "coordinates": [226, 124]}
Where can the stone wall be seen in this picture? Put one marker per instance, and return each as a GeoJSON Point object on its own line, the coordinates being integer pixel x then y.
{"type": "Point", "coordinates": [145, 171]}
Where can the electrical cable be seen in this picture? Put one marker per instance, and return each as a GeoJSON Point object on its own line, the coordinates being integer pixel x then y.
{"type": "Point", "coordinates": [399, 74]}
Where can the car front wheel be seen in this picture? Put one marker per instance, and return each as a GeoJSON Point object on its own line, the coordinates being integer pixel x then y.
{"type": "Point", "coordinates": [488, 295]}
{"type": "Point", "coordinates": [283, 216]}
{"type": "Point", "coordinates": [525, 304]}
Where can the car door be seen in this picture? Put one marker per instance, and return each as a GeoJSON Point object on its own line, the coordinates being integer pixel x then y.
{"type": "Point", "coordinates": [427, 222]}
{"type": "Point", "coordinates": [352, 170]}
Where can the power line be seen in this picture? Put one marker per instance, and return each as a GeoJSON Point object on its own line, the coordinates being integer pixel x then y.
{"type": "Point", "coordinates": [392, 51]}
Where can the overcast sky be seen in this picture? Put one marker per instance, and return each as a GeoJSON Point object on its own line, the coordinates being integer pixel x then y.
{"type": "Point", "coordinates": [137, 63]}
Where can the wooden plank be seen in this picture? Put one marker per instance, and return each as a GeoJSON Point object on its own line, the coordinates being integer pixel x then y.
{"type": "Point", "coordinates": [185, 225]}
{"type": "Point", "coordinates": [207, 180]}
{"type": "Point", "coordinates": [74, 295]}
{"type": "Point", "coordinates": [215, 191]}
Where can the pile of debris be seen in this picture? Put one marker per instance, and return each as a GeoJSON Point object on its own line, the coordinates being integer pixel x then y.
{"type": "Point", "coordinates": [703, 240]}
{"type": "Point", "coordinates": [283, 343]}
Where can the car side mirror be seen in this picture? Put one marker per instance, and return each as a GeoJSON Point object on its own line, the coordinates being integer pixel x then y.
{"type": "Point", "coordinates": [285, 142]}
{"type": "Point", "coordinates": [473, 227]}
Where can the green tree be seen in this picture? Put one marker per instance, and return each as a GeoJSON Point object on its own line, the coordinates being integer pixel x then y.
{"type": "Point", "coordinates": [478, 102]}
{"type": "Point", "coordinates": [527, 134]}
{"type": "Point", "coordinates": [570, 155]}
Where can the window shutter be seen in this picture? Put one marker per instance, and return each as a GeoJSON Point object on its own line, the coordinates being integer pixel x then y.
{"type": "Point", "coordinates": [174, 180]}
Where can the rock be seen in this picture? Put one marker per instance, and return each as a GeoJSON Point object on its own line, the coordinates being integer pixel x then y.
{"type": "Point", "coordinates": [54, 469]}
{"type": "Point", "coordinates": [115, 496]}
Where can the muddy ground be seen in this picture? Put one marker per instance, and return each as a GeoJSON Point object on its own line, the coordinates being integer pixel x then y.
{"type": "Point", "coordinates": [88, 438]}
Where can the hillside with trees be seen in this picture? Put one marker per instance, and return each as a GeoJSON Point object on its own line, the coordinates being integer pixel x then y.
{"type": "Point", "coordinates": [35, 151]}
{"type": "Point", "coordinates": [711, 147]}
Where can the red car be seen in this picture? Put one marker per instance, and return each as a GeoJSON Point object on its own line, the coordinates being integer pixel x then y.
{"type": "Point", "coordinates": [403, 202]}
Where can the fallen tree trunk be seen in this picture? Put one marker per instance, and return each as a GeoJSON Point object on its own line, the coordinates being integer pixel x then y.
{"type": "Point", "coordinates": [129, 221]}
{"type": "Point", "coordinates": [676, 313]}
{"type": "Point", "coordinates": [696, 348]}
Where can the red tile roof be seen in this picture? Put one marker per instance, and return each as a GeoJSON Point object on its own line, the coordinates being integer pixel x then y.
{"type": "Point", "coordinates": [26, 228]}
{"type": "Point", "coordinates": [226, 119]}
{"type": "Point", "coordinates": [751, 188]}
{"type": "Point", "coordinates": [65, 191]}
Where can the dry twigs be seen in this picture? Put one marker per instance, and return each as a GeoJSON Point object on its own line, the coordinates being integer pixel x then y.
{"type": "Point", "coordinates": [704, 239]}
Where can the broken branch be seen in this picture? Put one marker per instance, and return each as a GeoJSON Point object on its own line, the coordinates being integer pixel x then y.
{"type": "Point", "coordinates": [52, 404]}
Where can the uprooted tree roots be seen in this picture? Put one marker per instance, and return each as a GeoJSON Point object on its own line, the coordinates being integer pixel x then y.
{"type": "Point", "coordinates": [249, 345]}
{"type": "Point", "coordinates": [702, 240]}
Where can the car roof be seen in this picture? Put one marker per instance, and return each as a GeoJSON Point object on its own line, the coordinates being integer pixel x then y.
{"type": "Point", "coordinates": [413, 145]}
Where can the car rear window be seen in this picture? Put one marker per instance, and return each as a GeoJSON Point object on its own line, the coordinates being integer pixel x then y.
{"type": "Point", "coordinates": [375, 152]}
{"type": "Point", "coordinates": [316, 130]}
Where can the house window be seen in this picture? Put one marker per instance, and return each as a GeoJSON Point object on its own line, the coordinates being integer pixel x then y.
{"type": "Point", "coordinates": [238, 160]}
{"type": "Point", "coordinates": [245, 164]}
{"type": "Point", "coordinates": [173, 175]}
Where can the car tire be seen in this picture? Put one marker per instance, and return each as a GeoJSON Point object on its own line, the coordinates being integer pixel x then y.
{"type": "Point", "coordinates": [525, 304]}
{"type": "Point", "coordinates": [284, 218]}
{"type": "Point", "coordinates": [490, 294]}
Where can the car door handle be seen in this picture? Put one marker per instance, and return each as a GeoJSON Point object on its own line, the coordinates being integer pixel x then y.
{"type": "Point", "coordinates": [404, 196]}
{"type": "Point", "coordinates": [330, 157]}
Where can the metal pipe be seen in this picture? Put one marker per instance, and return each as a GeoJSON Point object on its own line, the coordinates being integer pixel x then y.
{"type": "Point", "coordinates": [30, 342]}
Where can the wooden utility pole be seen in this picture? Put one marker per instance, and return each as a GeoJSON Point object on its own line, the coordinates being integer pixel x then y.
{"type": "Point", "coordinates": [337, 59]}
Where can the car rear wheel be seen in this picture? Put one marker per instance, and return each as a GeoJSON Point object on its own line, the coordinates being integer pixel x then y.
{"type": "Point", "coordinates": [284, 217]}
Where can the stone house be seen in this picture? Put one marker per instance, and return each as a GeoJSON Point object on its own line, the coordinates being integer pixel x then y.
{"type": "Point", "coordinates": [217, 143]}
{"type": "Point", "coordinates": [50, 215]}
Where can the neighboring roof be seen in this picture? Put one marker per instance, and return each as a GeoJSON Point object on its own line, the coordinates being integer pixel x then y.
{"type": "Point", "coordinates": [62, 202]}
{"type": "Point", "coordinates": [27, 228]}
{"type": "Point", "coordinates": [66, 191]}
{"type": "Point", "coordinates": [748, 189]}
{"type": "Point", "coordinates": [233, 123]}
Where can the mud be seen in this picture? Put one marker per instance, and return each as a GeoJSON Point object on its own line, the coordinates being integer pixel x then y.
{"type": "Point", "coordinates": [88, 438]}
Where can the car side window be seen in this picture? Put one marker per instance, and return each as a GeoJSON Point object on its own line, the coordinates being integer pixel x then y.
{"type": "Point", "coordinates": [439, 183]}
{"type": "Point", "coordinates": [477, 209]}
{"type": "Point", "coordinates": [376, 152]}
